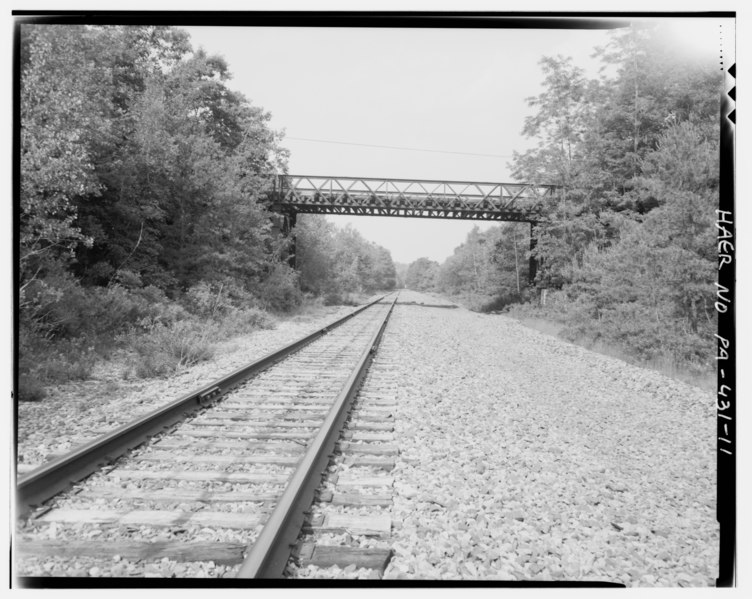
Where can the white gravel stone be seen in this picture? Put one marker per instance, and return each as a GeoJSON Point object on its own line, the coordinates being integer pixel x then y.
{"type": "Point", "coordinates": [525, 458]}
{"type": "Point", "coordinates": [521, 457]}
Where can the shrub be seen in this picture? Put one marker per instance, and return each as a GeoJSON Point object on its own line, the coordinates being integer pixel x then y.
{"type": "Point", "coordinates": [68, 362]}
{"type": "Point", "coordinates": [206, 300]}
{"type": "Point", "coordinates": [165, 349]}
{"type": "Point", "coordinates": [30, 388]}
{"type": "Point", "coordinates": [128, 279]}
{"type": "Point", "coordinates": [43, 361]}
{"type": "Point", "coordinates": [497, 303]}
{"type": "Point", "coordinates": [245, 321]}
{"type": "Point", "coordinates": [336, 298]}
{"type": "Point", "coordinates": [333, 298]}
{"type": "Point", "coordinates": [280, 290]}
{"type": "Point", "coordinates": [232, 308]}
{"type": "Point", "coordinates": [60, 307]}
{"type": "Point", "coordinates": [114, 309]}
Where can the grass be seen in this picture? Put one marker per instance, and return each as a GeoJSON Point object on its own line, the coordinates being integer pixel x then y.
{"type": "Point", "coordinates": [548, 327]}
{"type": "Point", "coordinates": [30, 388]}
{"type": "Point", "coordinates": [665, 365]}
{"type": "Point", "coordinates": [158, 350]}
{"type": "Point", "coordinates": [343, 299]}
{"type": "Point", "coordinates": [168, 349]}
{"type": "Point", "coordinates": [239, 322]}
{"type": "Point", "coordinates": [43, 362]}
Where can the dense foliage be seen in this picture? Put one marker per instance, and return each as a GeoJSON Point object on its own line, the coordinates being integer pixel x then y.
{"type": "Point", "coordinates": [142, 175]}
{"type": "Point", "coordinates": [139, 166]}
{"type": "Point", "coordinates": [422, 275]}
{"type": "Point", "coordinates": [491, 269]}
{"type": "Point", "coordinates": [627, 249]}
{"type": "Point", "coordinates": [336, 262]}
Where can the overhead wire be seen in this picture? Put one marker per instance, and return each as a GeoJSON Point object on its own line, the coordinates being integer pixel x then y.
{"type": "Point", "coordinates": [349, 143]}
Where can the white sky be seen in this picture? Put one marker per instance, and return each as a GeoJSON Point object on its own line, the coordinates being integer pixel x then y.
{"type": "Point", "coordinates": [448, 90]}
{"type": "Point", "coordinates": [436, 89]}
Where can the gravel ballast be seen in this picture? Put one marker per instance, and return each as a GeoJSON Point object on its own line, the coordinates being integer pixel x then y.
{"type": "Point", "coordinates": [139, 509]}
{"type": "Point", "coordinates": [523, 457]}
{"type": "Point", "coordinates": [520, 456]}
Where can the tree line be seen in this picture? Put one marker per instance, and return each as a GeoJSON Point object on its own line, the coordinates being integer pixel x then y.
{"type": "Point", "coordinates": [141, 202]}
{"type": "Point", "coordinates": [335, 262]}
{"type": "Point", "coordinates": [626, 250]}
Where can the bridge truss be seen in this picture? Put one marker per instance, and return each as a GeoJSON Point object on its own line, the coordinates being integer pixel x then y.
{"type": "Point", "coordinates": [517, 202]}
{"type": "Point", "coordinates": [307, 194]}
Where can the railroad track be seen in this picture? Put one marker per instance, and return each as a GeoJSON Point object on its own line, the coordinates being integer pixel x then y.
{"type": "Point", "coordinates": [350, 523]}
{"type": "Point", "coordinates": [224, 481]}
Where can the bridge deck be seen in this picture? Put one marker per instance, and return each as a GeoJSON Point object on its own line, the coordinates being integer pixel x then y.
{"type": "Point", "coordinates": [409, 198]}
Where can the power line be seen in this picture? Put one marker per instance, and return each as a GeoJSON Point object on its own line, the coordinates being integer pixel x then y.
{"type": "Point", "coordinates": [348, 143]}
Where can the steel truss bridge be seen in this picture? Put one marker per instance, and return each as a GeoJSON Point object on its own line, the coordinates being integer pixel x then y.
{"type": "Point", "coordinates": [517, 202]}
{"type": "Point", "coordinates": [467, 200]}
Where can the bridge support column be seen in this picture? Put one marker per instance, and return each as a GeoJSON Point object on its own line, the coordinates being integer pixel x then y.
{"type": "Point", "coordinates": [533, 262]}
{"type": "Point", "coordinates": [288, 228]}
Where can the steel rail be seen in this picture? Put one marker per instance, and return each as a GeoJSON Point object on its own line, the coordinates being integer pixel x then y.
{"type": "Point", "coordinates": [56, 475]}
{"type": "Point", "coordinates": [269, 554]}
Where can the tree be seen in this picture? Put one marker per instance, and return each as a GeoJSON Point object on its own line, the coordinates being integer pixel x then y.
{"type": "Point", "coordinates": [563, 114]}
{"type": "Point", "coordinates": [593, 137]}
{"type": "Point", "coordinates": [57, 115]}
{"type": "Point", "coordinates": [400, 273]}
{"type": "Point", "coordinates": [564, 117]}
{"type": "Point", "coordinates": [384, 274]}
{"type": "Point", "coordinates": [338, 261]}
{"type": "Point", "coordinates": [422, 275]}
{"type": "Point", "coordinates": [315, 253]}
{"type": "Point", "coordinates": [651, 86]}
{"type": "Point", "coordinates": [491, 266]}
{"type": "Point", "coordinates": [629, 238]}
{"type": "Point", "coordinates": [682, 175]}
{"type": "Point", "coordinates": [181, 168]}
